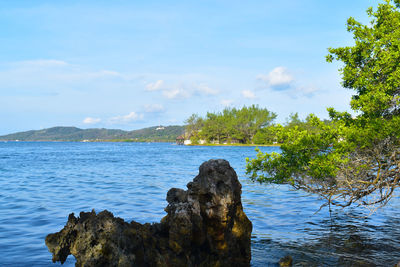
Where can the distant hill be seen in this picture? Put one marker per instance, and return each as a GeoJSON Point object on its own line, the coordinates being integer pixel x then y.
{"type": "Point", "coordinates": [151, 134]}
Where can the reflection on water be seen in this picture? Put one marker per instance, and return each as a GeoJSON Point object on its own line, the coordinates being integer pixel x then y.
{"type": "Point", "coordinates": [41, 183]}
{"type": "Point", "coordinates": [339, 240]}
{"type": "Point", "coordinates": [336, 245]}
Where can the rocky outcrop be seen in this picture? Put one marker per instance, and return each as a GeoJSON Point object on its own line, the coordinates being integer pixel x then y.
{"type": "Point", "coordinates": [205, 226]}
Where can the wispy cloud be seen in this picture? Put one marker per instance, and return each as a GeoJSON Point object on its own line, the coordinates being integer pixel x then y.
{"type": "Point", "coordinates": [131, 117]}
{"type": "Point", "coordinates": [307, 91]}
{"type": "Point", "coordinates": [205, 90]}
{"type": "Point", "coordinates": [108, 73]}
{"type": "Point", "coordinates": [178, 92]}
{"type": "Point", "coordinates": [153, 108]}
{"type": "Point", "coordinates": [128, 118]}
{"type": "Point", "coordinates": [248, 94]}
{"type": "Point", "coordinates": [281, 80]}
{"type": "Point", "coordinates": [90, 120]}
{"type": "Point", "coordinates": [278, 78]}
{"type": "Point", "coordinates": [181, 89]}
{"type": "Point", "coordinates": [58, 75]}
{"type": "Point", "coordinates": [155, 86]}
{"type": "Point", "coordinates": [226, 102]}
{"type": "Point", "coordinates": [41, 63]}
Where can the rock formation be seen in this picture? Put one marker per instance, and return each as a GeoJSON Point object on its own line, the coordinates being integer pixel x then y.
{"type": "Point", "coordinates": [205, 226]}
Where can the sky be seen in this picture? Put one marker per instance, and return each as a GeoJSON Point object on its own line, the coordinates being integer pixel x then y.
{"type": "Point", "coordinates": [133, 64]}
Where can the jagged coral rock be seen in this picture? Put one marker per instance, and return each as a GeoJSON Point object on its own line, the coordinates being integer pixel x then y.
{"type": "Point", "coordinates": [205, 226]}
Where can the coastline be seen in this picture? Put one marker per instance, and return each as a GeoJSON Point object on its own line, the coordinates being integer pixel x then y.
{"type": "Point", "coordinates": [142, 141]}
{"type": "Point", "coordinates": [247, 145]}
{"type": "Point", "coordinates": [94, 141]}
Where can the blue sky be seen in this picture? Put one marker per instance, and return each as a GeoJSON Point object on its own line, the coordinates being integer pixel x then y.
{"type": "Point", "coordinates": [134, 64]}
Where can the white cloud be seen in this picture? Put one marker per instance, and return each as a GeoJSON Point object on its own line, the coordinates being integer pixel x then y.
{"type": "Point", "coordinates": [248, 94]}
{"type": "Point", "coordinates": [41, 63]}
{"type": "Point", "coordinates": [308, 91]}
{"type": "Point", "coordinates": [181, 90]}
{"type": "Point", "coordinates": [176, 93]}
{"type": "Point", "coordinates": [55, 76]}
{"type": "Point", "coordinates": [107, 74]}
{"type": "Point", "coordinates": [110, 72]}
{"type": "Point", "coordinates": [226, 102]}
{"type": "Point", "coordinates": [155, 86]}
{"type": "Point", "coordinates": [279, 77]}
{"type": "Point", "coordinates": [206, 90]}
{"type": "Point", "coordinates": [133, 116]}
{"type": "Point", "coordinates": [90, 120]}
{"type": "Point", "coordinates": [153, 108]}
{"type": "Point", "coordinates": [123, 119]}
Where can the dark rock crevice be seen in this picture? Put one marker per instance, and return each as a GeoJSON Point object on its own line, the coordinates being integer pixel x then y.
{"type": "Point", "coordinates": [204, 226]}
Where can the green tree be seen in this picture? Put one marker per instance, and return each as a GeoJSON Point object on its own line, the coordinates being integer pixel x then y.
{"type": "Point", "coordinates": [351, 159]}
{"type": "Point", "coordinates": [268, 135]}
{"type": "Point", "coordinates": [214, 128]}
{"type": "Point", "coordinates": [293, 120]}
{"type": "Point", "coordinates": [193, 126]}
{"type": "Point", "coordinates": [230, 124]}
{"type": "Point", "coordinates": [249, 120]}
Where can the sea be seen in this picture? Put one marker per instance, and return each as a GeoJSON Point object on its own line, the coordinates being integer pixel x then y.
{"type": "Point", "coordinates": [41, 183]}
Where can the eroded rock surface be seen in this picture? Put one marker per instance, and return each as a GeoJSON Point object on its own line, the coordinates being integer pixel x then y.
{"type": "Point", "coordinates": [205, 226]}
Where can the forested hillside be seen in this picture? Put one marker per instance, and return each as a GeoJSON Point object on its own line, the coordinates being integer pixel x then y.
{"type": "Point", "coordinates": [151, 134]}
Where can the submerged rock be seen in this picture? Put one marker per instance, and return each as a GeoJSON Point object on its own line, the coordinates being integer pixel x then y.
{"type": "Point", "coordinates": [286, 261]}
{"type": "Point", "coordinates": [205, 226]}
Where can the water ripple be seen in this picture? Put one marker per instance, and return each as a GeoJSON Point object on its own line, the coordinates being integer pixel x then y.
{"type": "Point", "coordinates": [41, 183]}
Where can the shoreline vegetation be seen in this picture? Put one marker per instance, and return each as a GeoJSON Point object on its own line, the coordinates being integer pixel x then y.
{"type": "Point", "coordinates": [353, 160]}
{"type": "Point", "coordinates": [145, 141]}
{"type": "Point", "coordinates": [248, 126]}
{"type": "Point", "coordinates": [246, 145]}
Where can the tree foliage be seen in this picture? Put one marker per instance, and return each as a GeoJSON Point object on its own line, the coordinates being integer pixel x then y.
{"type": "Point", "coordinates": [352, 159]}
{"type": "Point", "coordinates": [230, 125]}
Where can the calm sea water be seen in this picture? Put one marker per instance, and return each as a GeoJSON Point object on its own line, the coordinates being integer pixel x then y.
{"type": "Point", "coordinates": [42, 182]}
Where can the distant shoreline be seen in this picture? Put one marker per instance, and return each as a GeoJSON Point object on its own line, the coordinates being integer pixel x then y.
{"type": "Point", "coordinates": [90, 141]}
{"type": "Point", "coordinates": [254, 145]}
{"type": "Point", "coordinates": [136, 141]}
{"type": "Point", "coordinates": [74, 134]}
